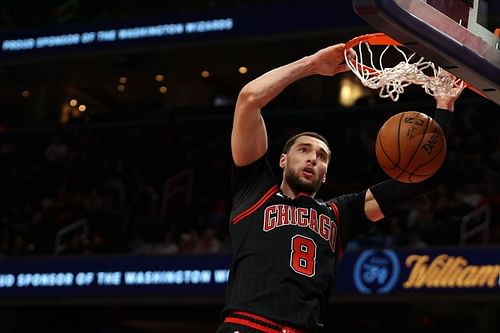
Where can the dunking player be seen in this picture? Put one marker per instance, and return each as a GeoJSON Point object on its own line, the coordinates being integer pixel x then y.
{"type": "Point", "coordinates": [286, 243]}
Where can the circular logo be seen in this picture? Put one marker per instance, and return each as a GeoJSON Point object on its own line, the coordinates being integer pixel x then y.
{"type": "Point", "coordinates": [376, 272]}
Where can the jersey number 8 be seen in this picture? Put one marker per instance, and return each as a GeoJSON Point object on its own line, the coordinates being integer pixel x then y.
{"type": "Point", "coordinates": [303, 256]}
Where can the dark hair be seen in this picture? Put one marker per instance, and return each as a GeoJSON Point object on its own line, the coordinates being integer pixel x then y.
{"type": "Point", "coordinates": [289, 143]}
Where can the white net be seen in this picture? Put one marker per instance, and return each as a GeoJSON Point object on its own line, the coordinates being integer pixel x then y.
{"type": "Point", "coordinates": [391, 80]}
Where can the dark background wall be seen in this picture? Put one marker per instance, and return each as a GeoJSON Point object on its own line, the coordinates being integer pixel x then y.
{"type": "Point", "coordinates": [114, 164]}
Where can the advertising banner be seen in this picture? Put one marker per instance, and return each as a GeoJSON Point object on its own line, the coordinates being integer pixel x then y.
{"type": "Point", "coordinates": [369, 274]}
{"type": "Point", "coordinates": [428, 271]}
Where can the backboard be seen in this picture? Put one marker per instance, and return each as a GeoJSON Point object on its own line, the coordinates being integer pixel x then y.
{"type": "Point", "coordinates": [458, 35]}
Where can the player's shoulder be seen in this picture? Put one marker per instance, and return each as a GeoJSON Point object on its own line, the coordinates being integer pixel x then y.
{"type": "Point", "coordinates": [321, 202]}
{"type": "Point", "coordinates": [343, 198]}
{"type": "Point", "coordinates": [328, 205]}
{"type": "Point", "coordinates": [344, 201]}
{"type": "Point", "coordinates": [256, 175]}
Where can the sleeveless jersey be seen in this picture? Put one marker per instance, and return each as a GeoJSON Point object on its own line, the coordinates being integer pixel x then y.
{"type": "Point", "coordinates": [285, 250]}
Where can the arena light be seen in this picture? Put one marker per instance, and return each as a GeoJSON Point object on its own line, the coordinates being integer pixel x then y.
{"type": "Point", "coordinates": [350, 91]}
{"type": "Point", "coordinates": [205, 74]}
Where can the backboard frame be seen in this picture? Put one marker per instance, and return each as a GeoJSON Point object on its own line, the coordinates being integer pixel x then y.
{"type": "Point", "coordinates": [468, 56]}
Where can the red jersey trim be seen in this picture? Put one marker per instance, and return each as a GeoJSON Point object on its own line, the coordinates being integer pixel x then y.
{"type": "Point", "coordinates": [273, 190]}
{"type": "Point", "coordinates": [251, 324]}
{"type": "Point", "coordinates": [335, 210]}
{"type": "Point", "coordinates": [252, 320]}
{"type": "Point", "coordinates": [337, 214]}
{"type": "Point", "coordinates": [255, 317]}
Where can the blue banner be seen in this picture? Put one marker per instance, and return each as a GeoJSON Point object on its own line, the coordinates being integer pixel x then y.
{"type": "Point", "coordinates": [215, 24]}
{"type": "Point", "coordinates": [427, 271]}
{"type": "Point", "coordinates": [99, 277]}
{"type": "Point", "coordinates": [370, 273]}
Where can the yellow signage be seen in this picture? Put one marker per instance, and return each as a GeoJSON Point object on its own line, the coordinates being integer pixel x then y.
{"type": "Point", "coordinates": [446, 271]}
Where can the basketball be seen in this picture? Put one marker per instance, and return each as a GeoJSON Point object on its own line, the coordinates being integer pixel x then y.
{"type": "Point", "coordinates": [410, 147]}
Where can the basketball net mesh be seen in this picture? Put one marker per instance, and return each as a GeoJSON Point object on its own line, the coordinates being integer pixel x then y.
{"type": "Point", "coordinates": [392, 80]}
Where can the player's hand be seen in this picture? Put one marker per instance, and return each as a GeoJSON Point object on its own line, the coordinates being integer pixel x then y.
{"type": "Point", "coordinates": [329, 61]}
{"type": "Point", "coordinates": [448, 102]}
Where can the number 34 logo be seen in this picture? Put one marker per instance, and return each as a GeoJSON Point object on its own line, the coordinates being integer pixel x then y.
{"type": "Point", "coordinates": [376, 271]}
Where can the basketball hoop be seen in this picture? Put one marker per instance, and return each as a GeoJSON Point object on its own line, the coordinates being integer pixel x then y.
{"type": "Point", "coordinates": [381, 62]}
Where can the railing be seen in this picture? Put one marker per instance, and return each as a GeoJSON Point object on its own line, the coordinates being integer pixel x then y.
{"type": "Point", "coordinates": [177, 191]}
{"type": "Point", "coordinates": [60, 244]}
{"type": "Point", "coordinates": [476, 222]}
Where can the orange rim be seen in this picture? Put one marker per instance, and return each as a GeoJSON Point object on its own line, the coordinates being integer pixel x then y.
{"type": "Point", "coordinates": [477, 91]}
{"type": "Point", "coordinates": [378, 38]}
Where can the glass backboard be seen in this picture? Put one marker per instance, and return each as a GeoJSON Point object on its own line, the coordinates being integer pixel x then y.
{"type": "Point", "coordinates": [458, 35]}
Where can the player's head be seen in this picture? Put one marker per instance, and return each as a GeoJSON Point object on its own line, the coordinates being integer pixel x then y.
{"type": "Point", "coordinates": [304, 161]}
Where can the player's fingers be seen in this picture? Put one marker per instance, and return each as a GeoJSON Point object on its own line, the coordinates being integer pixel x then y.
{"type": "Point", "coordinates": [350, 54]}
{"type": "Point", "coordinates": [342, 68]}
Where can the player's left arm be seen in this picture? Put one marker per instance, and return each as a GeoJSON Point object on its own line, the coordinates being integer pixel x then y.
{"type": "Point", "coordinates": [381, 199]}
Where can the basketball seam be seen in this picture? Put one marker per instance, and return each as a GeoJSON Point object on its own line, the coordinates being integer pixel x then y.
{"type": "Point", "coordinates": [427, 162]}
{"type": "Point", "coordinates": [395, 164]}
{"type": "Point", "coordinates": [416, 149]}
{"type": "Point", "coordinates": [399, 144]}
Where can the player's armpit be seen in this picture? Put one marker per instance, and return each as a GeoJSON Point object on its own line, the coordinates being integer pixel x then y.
{"type": "Point", "coordinates": [391, 194]}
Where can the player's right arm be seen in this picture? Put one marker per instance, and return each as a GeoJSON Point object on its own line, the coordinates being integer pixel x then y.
{"type": "Point", "coordinates": [249, 136]}
{"type": "Point", "coordinates": [383, 198]}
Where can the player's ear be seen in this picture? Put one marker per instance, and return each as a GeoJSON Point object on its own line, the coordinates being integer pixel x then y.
{"type": "Point", "coordinates": [282, 161]}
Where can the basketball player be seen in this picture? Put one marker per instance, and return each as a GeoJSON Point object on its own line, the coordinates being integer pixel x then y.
{"type": "Point", "coordinates": [287, 243]}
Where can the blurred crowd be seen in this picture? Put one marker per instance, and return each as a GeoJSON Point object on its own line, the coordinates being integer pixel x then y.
{"type": "Point", "coordinates": [162, 186]}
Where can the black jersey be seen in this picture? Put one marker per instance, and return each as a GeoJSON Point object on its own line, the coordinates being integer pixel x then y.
{"type": "Point", "coordinates": [285, 250]}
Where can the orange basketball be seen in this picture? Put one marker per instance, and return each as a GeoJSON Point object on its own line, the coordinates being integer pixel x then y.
{"type": "Point", "coordinates": [410, 147]}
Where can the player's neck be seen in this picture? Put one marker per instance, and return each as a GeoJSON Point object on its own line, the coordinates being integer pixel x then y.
{"type": "Point", "coordinates": [290, 193]}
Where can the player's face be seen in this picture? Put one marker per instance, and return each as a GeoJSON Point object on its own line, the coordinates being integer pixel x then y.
{"type": "Point", "coordinates": [305, 165]}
